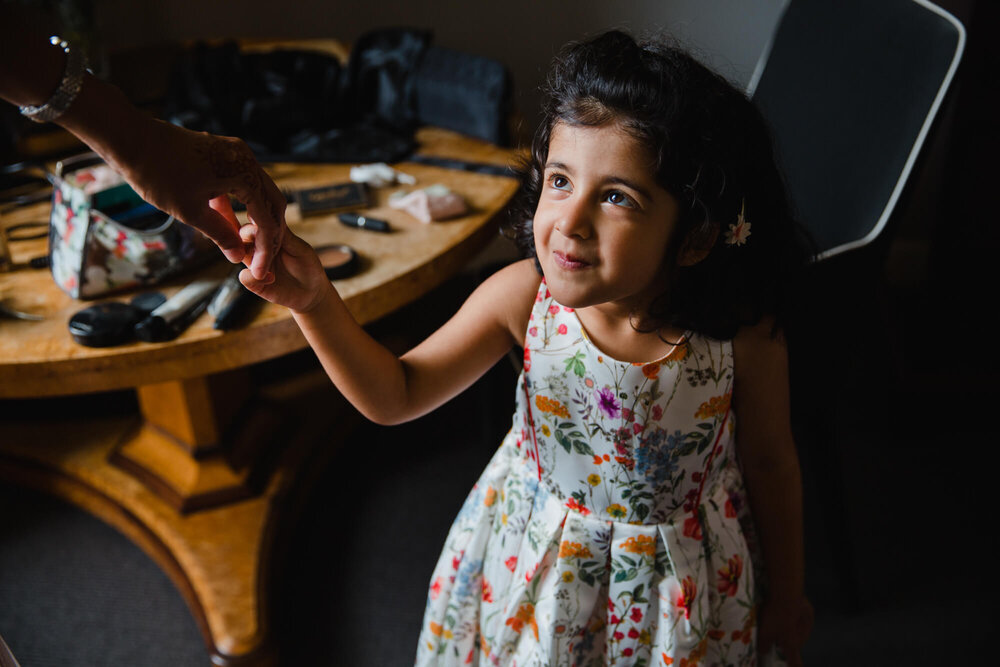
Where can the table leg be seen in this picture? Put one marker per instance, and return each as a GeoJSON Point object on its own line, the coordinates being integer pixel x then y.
{"type": "Point", "coordinates": [218, 556]}
{"type": "Point", "coordinates": [202, 442]}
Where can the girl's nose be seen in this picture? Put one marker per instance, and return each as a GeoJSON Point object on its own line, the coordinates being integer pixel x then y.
{"type": "Point", "coordinates": [575, 220]}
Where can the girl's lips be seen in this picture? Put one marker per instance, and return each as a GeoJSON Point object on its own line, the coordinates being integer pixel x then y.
{"type": "Point", "coordinates": [569, 261]}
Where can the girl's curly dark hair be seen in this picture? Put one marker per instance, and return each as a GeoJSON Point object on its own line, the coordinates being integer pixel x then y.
{"type": "Point", "coordinates": [712, 151]}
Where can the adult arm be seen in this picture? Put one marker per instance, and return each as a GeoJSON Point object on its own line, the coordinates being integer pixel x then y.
{"type": "Point", "coordinates": [177, 170]}
{"type": "Point", "coordinates": [773, 479]}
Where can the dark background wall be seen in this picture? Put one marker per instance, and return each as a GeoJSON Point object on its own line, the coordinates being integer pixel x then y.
{"type": "Point", "coordinates": [523, 34]}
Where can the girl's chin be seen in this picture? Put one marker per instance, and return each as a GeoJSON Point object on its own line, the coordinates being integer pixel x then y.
{"type": "Point", "coordinates": [567, 295]}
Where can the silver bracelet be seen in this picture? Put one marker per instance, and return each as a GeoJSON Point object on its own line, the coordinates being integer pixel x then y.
{"type": "Point", "coordinates": [69, 87]}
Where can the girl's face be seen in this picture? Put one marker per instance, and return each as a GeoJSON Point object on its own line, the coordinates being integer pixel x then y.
{"type": "Point", "coordinates": [603, 223]}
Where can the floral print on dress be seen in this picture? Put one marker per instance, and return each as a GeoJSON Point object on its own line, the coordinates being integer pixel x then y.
{"type": "Point", "coordinates": [611, 526]}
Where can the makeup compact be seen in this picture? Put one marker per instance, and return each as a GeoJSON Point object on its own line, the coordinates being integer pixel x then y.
{"type": "Point", "coordinates": [105, 324]}
{"type": "Point", "coordinates": [339, 261]}
{"type": "Point", "coordinates": [112, 322]}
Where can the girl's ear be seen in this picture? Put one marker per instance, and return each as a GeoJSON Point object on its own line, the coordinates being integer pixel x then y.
{"type": "Point", "coordinates": [697, 245]}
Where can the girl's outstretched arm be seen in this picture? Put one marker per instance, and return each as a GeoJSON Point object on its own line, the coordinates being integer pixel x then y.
{"type": "Point", "coordinates": [385, 388]}
{"type": "Point", "coordinates": [771, 470]}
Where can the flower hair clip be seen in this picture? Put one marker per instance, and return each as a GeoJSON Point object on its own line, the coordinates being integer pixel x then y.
{"type": "Point", "coordinates": [739, 232]}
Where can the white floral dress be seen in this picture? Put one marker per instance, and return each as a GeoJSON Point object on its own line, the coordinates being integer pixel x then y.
{"type": "Point", "coordinates": [610, 527]}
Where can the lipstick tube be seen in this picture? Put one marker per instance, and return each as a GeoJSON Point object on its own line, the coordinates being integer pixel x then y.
{"type": "Point", "coordinates": [362, 222]}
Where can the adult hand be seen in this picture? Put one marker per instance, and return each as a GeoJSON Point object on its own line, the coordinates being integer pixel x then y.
{"type": "Point", "coordinates": [176, 170]}
{"type": "Point", "coordinates": [181, 172]}
{"type": "Point", "coordinates": [787, 626]}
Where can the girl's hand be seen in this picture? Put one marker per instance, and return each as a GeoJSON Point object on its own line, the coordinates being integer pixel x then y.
{"type": "Point", "coordinates": [298, 282]}
{"type": "Point", "coordinates": [786, 626]}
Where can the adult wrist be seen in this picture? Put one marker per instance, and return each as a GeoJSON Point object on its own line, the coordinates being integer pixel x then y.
{"type": "Point", "coordinates": [104, 119]}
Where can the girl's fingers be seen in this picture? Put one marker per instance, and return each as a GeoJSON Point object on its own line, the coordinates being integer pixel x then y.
{"type": "Point", "coordinates": [258, 287]}
{"type": "Point", "coordinates": [266, 207]}
{"type": "Point", "coordinates": [249, 235]}
{"type": "Point", "coordinates": [248, 232]}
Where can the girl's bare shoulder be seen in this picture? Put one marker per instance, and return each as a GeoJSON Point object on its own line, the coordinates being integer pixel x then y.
{"type": "Point", "coordinates": [511, 291]}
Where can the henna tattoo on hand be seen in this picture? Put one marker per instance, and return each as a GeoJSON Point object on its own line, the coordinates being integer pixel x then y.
{"type": "Point", "coordinates": [275, 210]}
{"type": "Point", "coordinates": [231, 159]}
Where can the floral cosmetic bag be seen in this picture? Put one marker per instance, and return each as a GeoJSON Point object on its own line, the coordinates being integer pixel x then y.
{"type": "Point", "coordinates": [104, 238]}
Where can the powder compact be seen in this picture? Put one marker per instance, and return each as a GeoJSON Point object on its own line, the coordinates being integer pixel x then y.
{"type": "Point", "coordinates": [112, 322]}
{"type": "Point", "coordinates": [339, 261]}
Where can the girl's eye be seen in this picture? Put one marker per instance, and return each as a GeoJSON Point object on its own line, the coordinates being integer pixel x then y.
{"type": "Point", "coordinates": [559, 182]}
{"type": "Point", "coordinates": [619, 198]}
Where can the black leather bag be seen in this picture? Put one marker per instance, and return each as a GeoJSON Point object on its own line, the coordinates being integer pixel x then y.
{"type": "Point", "coordinates": [465, 93]}
{"type": "Point", "coordinates": [302, 106]}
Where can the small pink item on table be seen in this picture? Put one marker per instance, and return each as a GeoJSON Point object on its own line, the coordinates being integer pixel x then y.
{"type": "Point", "coordinates": [435, 202]}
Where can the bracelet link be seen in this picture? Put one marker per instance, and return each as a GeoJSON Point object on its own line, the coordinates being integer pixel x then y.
{"type": "Point", "coordinates": [69, 86]}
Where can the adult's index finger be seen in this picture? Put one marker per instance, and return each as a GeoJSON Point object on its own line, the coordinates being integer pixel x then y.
{"type": "Point", "coordinates": [218, 222]}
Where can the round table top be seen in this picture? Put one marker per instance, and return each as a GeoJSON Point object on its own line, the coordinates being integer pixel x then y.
{"type": "Point", "coordinates": [39, 358]}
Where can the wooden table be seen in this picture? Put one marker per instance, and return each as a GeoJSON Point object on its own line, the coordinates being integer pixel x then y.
{"type": "Point", "coordinates": [200, 477]}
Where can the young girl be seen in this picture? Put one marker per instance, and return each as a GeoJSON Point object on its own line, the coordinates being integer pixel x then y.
{"type": "Point", "coordinates": [613, 525]}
